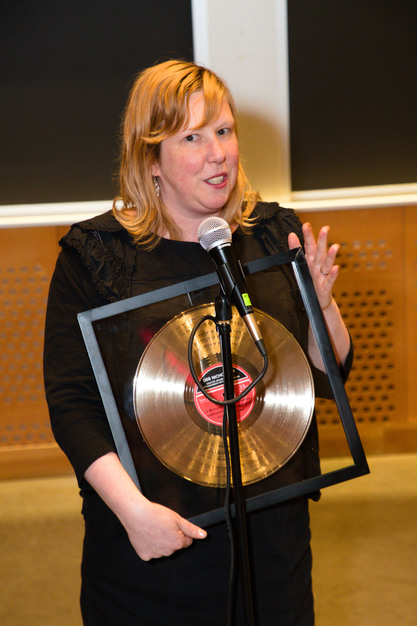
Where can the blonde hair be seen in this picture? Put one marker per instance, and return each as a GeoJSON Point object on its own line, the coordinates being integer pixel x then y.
{"type": "Point", "coordinates": [157, 108]}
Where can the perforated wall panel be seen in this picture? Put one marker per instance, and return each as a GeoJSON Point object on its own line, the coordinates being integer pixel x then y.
{"type": "Point", "coordinates": [372, 294]}
{"type": "Point", "coordinates": [28, 256]}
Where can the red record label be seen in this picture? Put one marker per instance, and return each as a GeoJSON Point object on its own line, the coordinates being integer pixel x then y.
{"type": "Point", "coordinates": [212, 381]}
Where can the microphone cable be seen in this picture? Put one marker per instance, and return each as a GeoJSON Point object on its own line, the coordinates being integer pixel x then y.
{"type": "Point", "coordinates": [227, 499]}
{"type": "Point", "coordinates": [197, 381]}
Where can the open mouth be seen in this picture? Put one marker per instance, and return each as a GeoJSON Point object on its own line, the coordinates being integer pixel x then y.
{"type": "Point", "coordinates": [217, 180]}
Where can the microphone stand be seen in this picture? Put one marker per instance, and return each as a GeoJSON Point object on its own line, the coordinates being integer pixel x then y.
{"type": "Point", "coordinates": [223, 317]}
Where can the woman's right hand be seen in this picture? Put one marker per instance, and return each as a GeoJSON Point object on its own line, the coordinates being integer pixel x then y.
{"type": "Point", "coordinates": [154, 530]}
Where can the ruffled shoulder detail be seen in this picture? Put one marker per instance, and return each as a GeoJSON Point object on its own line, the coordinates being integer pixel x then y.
{"type": "Point", "coordinates": [107, 251]}
{"type": "Point", "coordinates": [273, 223]}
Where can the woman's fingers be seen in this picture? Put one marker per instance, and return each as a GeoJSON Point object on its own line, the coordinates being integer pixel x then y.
{"type": "Point", "coordinates": [293, 241]}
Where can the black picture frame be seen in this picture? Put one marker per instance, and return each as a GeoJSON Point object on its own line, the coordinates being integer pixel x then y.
{"type": "Point", "coordinates": [296, 258]}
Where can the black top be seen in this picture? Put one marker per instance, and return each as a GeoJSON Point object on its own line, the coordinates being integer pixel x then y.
{"type": "Point", "coordinates": [99, 264]}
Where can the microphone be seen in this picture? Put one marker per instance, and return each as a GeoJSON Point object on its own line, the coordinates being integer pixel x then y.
{"type": "Point", "coordinates": [215, 236]}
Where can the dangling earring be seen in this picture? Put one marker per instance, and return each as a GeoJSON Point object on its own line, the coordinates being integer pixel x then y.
{"type": "Point", "coordinates": [156, 186]}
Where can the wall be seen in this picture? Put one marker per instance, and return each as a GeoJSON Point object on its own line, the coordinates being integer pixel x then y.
{"type": "Point", "coordinates": [66, 69]}
{"type": "Point", "coordinates": [27, 446]}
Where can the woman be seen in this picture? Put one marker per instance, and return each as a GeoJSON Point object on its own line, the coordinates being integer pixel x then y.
{"type": "Point", "coordinates": [142, 562]}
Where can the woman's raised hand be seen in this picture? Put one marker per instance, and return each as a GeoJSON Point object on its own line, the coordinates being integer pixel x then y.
{"type": "Point", "coordinates": [320, 260]}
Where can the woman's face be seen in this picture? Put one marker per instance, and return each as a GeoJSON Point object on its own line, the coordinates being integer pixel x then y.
{"type": "Point", "coordinates": [197, 169]}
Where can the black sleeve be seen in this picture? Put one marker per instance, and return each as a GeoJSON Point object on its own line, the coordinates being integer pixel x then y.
{"type": "Point", "coordinates": [78, 420]}
{"type": "Point", "coordinates": [321, 381]}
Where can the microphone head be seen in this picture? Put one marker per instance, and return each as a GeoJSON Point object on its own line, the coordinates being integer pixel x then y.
{"type": "Point", "coordinates": [214, 231]}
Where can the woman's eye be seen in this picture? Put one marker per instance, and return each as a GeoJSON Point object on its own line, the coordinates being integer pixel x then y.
{"type": "Point", "coordinates": [223, 131]}
{"type": "Point", "coordinates": [190, 138]}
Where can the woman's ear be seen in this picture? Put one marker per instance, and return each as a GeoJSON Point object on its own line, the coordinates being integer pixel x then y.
{"type": "Point", "coordinates": [155, 169]}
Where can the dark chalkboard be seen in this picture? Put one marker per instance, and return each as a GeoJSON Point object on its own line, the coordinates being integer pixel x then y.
{"type": "Point", "coordinates": [66, 68]}
{"type": "Point", "coordinates": [353, 92]}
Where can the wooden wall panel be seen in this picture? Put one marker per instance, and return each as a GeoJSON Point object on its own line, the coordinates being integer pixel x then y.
{"type": "Point", "coordinates": [376, 290]}
{"type": "Point", "coordinates": [372, 293]}
{"type": "Point", "coordinates": [26, 265]}
{"type": "Point", "coordinates": [410, 247]}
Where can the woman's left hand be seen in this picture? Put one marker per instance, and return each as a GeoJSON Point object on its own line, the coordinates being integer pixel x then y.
{"type": "Point", "coordinates": [320, 260]}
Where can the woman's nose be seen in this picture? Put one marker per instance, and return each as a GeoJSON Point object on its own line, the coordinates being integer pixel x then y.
{"type": "Point", "coordinates": [216, 152]}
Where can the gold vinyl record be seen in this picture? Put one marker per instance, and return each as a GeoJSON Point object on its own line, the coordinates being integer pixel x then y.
{"type": "Point", "coordinates": [184, 429]}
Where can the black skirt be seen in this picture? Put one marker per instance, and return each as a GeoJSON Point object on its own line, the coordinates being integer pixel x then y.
{"type": "Point", "coordinates": [192, 586]}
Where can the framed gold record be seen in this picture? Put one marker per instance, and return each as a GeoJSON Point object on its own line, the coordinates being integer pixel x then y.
{"type": "Point", "coordinates": [168, 436]}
